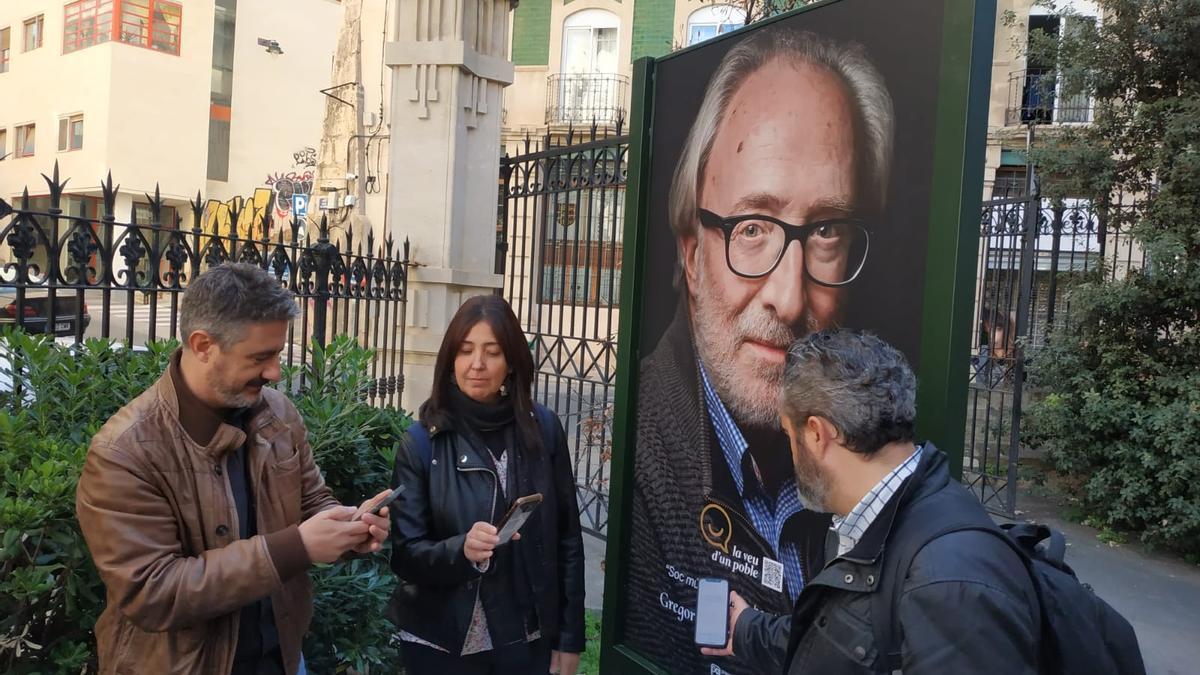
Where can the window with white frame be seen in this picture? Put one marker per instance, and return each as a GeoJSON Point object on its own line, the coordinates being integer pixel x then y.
{"type": "Point", "coordinates": [1048, 96]}
{"type": "Point", "coordinates": [33, 32]}
{"type": "Point", "coordinates": [4, 49]}
{"type": "Point", "coordinates": [590, 42]}
{"type": "Point", "coordinates": [25, 140]}
{"type": "Point", "coordinates": [3, 143]}
{"type": "Point", "coordinates": [588, 80]}
{"type": "Point", "coordinates": [709, 22]}
{"type": "Point", "coordinates": [70, 133]}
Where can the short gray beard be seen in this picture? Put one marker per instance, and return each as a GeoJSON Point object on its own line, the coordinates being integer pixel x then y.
{"type": "Point", "coordinates": [811, 484]}
{"type": "Point", "coordinates": [814, 493]}
{"type": "Point", "coordinates": [752, 398]}
{"type": "Point", "coordinates": [229, 399]}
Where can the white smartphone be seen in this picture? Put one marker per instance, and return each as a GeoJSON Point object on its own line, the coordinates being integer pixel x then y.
{"type": "Point", "coordinates": [712, 613]}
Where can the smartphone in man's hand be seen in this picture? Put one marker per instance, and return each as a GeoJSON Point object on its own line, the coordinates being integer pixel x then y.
{"type": "Point", "coordinates": [376, 505]}
{"type": "Point", "coordinates": [712, 613]}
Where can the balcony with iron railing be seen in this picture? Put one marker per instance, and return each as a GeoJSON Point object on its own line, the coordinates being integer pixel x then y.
{"type": "Point", "coordinates": [1045, 96]}
{"type": "Point", "coordinates": [588, 98]}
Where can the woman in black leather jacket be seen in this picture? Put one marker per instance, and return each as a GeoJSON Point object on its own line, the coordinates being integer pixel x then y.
{"type": "Point", "coordinates": [466, 604]}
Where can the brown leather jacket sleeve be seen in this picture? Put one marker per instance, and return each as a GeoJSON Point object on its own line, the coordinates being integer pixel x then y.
{"type": "Point", "coordinates": [131, 531]}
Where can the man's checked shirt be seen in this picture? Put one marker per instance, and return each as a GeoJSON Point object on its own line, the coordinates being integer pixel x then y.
{"type": "Point", "coordinates": [851, 528]}
{"type": "Point", "coordinates": [768, 514]}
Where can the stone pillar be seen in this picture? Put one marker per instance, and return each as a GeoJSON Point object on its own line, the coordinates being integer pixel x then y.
{"type": "Point", "coordinates": [449, 65]}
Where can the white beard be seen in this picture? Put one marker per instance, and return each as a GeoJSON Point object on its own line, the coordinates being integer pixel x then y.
{"type": "Point", "coordinates": [752, 397]}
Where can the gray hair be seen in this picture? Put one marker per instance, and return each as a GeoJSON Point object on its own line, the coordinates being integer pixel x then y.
{"type": "Point", "coordinates": [858, 382]}
{"type": "Point", "coordinates": [874, 126]}
{"type": "Point", "coordinates": [226, 298]}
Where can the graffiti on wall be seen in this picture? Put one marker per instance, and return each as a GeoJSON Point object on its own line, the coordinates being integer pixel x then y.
{"type": "Point", "coordinates": [281, 187]}
{"type": "Point", "coordinates": [305, 157]}
{"type": "Point", "coordinates": [296, 180]}
{"type": "Point", "coordinates": [285, 185]}
{"type": "Point", "coordinates": [217, 214]}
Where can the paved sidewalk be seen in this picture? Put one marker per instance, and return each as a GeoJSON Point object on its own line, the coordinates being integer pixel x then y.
{"type": "Point", "coordinates": [593, 551]}
{"type": "Point", "coordinates": [1158, 594]}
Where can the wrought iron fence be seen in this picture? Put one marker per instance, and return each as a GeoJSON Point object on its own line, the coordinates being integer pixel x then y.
{"type": "Point", "coordinates": [588, 98]}
{"type": "Point", "coordinates": [1021, 295]}
{"type": "Point", "coordinates": [559, 232]}
{"type": "Point", "coordinates": [58, 270]}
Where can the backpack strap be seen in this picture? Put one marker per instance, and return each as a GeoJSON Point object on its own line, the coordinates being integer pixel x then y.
{"type": "Point", "coordinates": [421, 442]}
{"type": "Point", "coordinates": [1029, 535]}
{"type": "Point", "coordinates": [926, 521]}
{"type": "Point", "coordinates": [547, 421]}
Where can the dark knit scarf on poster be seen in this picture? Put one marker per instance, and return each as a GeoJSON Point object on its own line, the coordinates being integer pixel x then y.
{"type": "Point", "coordinates": [491, 428]}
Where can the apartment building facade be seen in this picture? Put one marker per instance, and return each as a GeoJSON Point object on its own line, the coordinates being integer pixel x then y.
{"type": "Point", "coordinates": [573, 58]}
{"type": "Point", "coordinates": [216, 97]}
{"type": "Point", "coordinates": [574, 61]}
{"type": "Point", "coordinates": [1026, 93]}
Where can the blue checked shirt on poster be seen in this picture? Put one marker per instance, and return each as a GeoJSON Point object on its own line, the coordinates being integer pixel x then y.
{"type": "Point", "coordinates": [768, 514]}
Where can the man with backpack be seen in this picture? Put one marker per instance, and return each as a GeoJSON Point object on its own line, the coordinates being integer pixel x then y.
{"type": "Point", "coordinates": [918, 578]}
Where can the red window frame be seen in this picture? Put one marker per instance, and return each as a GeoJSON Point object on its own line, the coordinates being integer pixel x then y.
{"type": "Point", "coordinates": [153, 24]}
{"type": "Point", "coordinates": [87, 23]}
{"type": "Point", "coordinates": [150, 24]}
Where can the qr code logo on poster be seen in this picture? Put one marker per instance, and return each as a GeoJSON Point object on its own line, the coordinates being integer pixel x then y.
{"type": "Point", "coordinates": [772, 574]}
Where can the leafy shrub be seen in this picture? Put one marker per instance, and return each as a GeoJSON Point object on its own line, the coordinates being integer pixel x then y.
{"type": "Point", "coordinates": [354, 443]}
{"type": "Point", "coordinates": [1117, 406]}
{"type": "Point", "coordinates": [350, 629]}
{"type": "Point", "coordinates": [53, 400]}
{"type": "Point", "coordinates": [1120, 383]}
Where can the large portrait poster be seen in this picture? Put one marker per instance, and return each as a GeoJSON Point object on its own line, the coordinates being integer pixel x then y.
{"type": "Point", "coordinates": [807, 172]}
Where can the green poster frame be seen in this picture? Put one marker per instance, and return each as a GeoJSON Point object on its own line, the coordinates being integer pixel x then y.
{"type": "Point", "coordinates": [958, 158]}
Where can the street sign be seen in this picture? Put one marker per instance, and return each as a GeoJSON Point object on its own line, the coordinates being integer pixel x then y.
{"type": "Point", "coordinates": [300, 205]}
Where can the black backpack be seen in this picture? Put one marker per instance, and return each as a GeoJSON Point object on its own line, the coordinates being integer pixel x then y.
{"type": "Point", "coordinates": [1081, 634]}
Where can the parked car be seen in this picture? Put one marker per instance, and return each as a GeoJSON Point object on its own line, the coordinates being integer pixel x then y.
{"type": "Point", "coordinates": [36, 309]}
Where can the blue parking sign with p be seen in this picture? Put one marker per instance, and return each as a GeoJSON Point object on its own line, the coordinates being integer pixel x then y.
{"type": "Point", "coordinates": [300, 205]}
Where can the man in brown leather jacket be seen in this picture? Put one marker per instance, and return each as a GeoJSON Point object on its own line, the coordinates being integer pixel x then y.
{"type": "Point", "coordinates": [202, 505]}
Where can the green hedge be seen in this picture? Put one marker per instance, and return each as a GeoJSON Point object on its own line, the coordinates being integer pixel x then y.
{"type": "Point", "coordinates": [50, 594]}
{"type": "Point", "coordinates": [1116, 407]}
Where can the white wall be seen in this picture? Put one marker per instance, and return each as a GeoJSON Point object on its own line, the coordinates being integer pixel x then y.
{"type": "Point", "coordinates": [142, 109]}
{"type": "Point", "coordinates": [158, 125]}
{"type": "Point", "coordinates": [146, 113]}
{"type": "Point", "coordinates": [277, 107]}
